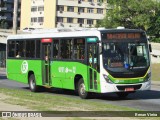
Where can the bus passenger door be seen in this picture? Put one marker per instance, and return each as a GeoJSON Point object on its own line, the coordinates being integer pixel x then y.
{"type": "Point", "coordinates": [46, 55]}
{"type": "Point", "coordinates": [93, 66]}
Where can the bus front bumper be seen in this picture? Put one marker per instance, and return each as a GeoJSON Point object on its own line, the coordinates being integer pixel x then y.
{"type": "Point", "coordinates": [108, 87]}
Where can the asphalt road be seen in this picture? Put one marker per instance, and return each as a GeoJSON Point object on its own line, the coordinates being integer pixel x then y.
{"type": "Point", "coordinates": [143, 100]}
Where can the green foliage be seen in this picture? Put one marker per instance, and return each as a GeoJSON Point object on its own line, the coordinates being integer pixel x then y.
{"type": "Point", "coordinates": [157, 40]}
{"type": "Point", "coordinates": [136, 14]}
{"type": "Point", "coordinates": [4, 24]}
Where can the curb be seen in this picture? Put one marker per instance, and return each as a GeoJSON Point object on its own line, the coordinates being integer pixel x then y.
{"type": "Point", "coordinates": [155, 83]}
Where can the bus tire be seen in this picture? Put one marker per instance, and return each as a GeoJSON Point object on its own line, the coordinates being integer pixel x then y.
{"type": "Point", "coordinates": [81, 89]}
{"type": "Point", "coordinates": [122, 94]}
{"type": "Point", "coordinates": [32, 83]}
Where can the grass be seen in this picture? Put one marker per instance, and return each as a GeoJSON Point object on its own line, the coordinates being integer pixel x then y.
{"type": "Point", "coordinates": [53, 102]}
{"type": "Point", "coordinates": [156, 72]}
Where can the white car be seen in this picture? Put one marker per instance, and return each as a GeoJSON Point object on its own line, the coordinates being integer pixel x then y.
{"type": "Point", "coordinates": [28, 29]}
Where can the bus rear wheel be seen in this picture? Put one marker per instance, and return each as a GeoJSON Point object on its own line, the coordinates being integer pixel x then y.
{"type": "Point", "coordinates": [82, 90]}
{"type": "Point", "coordinates": [32, 83]}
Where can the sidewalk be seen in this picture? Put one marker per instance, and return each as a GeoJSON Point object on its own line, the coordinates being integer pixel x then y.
{"type": "Point", "coordinates": [3, 71]}
{"type": "Point", "coordinates": [155, 82]}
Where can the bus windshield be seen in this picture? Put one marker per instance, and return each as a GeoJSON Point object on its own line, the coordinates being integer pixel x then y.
{"type": "Point", "coordinates": [125, 56]}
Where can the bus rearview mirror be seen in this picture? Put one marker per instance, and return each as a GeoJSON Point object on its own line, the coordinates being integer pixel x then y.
{"type": "Point", "coordinates": [100, 49]}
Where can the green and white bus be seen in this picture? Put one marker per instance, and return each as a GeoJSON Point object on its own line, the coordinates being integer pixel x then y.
{"type": "Point", "coordinates": [89, 61]}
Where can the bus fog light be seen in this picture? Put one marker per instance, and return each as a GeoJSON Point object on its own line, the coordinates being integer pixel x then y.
{"type": "Point", "coordinates": [148, 77]}
{"type": "Point", "coordinates": [107, 79]}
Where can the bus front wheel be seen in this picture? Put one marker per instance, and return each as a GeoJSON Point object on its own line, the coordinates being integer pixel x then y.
{"type": "Point", "coordinates": [82, 90]}
{"type": "Point", "coordinates": [32, 83]}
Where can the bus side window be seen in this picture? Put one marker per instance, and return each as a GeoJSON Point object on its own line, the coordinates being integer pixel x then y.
{"type": "Point", "coordinates": [79, 48]}
{"type": "Point", "coordinates": [38, 48]}
{"type": "Point", "coordinates": [55, 48]}
{"type": "Point", "coordinates": [66, 48]}
{"type": "Point", "coordinates": [20, 45]}
{"type": "Point", "coordinates": [30, 48]}
{"type": "Point", "coordinates": [11, 48]}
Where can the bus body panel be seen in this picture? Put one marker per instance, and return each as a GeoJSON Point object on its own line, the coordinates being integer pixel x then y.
{"type": "Point", "coordinates": [63, 72]}
{"type": "Point", "coordinates": [16, 73]}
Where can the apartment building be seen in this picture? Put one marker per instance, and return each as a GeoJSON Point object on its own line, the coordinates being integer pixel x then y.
{"type": "Point", "coordinates": [61, 13]}
{"type": "Point", "coordinates": [6, 13]}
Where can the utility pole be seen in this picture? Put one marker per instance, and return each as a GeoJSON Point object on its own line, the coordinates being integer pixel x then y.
{"type": "Point", "coordinates": [15, 16]}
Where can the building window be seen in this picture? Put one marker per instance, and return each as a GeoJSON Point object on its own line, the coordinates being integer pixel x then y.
{"type": "Point", "coordinates": [33, 9]}
{"type": "Point", "coordinates": [40, 19]}
{"type": "Point", "coordinates": [89, 21]}
{"type": "Point", "coordinates": [100, 11]}
{"type": "Point", "coordinates": [60, 8]}
{"type": "Point", "coordinates": [59, 19]}
{"type": "Point", "coordinates": [79, 1]}
{"type": "Point", "coordinates": [70, 9]}
{"type": "Point", "coordinates": [90, 10]}
{"type": "Point", "coordinates": [100, 1]}
{"type": "Point", "coordinates": [34, 19]}
{"type": "Point", "coordinates": [41, 8]}
{"type": "Point", "coordinates": [69, 20]}
{"type": "Point", "coordinates": [90, 0]}
{"type": "Point", "coordinates": [81, 9]}
{"type": "Point", "coordinates": [81, 20]}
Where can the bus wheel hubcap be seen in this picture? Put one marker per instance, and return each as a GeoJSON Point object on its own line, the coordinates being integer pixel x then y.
{"type": "Point", "coordinates": [82, 89]}
{"type": "Point", "coordinates": [32, 84]}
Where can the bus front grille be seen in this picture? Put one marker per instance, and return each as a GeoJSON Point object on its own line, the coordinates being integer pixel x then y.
{"type": "Point", "coordinates": [123, 87]}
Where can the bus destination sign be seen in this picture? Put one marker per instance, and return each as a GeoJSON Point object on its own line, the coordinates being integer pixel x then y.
{"type": "Point", "coordinates": [119, 36]}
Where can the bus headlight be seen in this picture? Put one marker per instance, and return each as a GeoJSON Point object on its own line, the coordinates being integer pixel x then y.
{"type": "Point", "coordinates": [107, 79]}
{"type": "Point", "coordinates": [148, 77]}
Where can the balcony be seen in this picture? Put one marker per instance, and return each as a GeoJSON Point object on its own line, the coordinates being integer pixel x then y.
{"type": "Point", "coordinates": [3, 8]}
{"type": "Point", "coordinates": [3, 17]}
{"type": "Point", "coordinates": [6, 10]}
{"type": "Point", "coordinates": [8, 1]}
{"type": "Point", "coordinates": [81, 3]}
{"type": "Point", "coordinates": [79, 15]}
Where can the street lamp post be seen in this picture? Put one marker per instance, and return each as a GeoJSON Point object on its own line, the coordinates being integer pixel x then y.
{"type": "Point", "coordinates": [15, 16]}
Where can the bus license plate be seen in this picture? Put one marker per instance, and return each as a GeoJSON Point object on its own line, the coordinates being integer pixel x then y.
{"type": "Point", "coordinates": [129, 89]}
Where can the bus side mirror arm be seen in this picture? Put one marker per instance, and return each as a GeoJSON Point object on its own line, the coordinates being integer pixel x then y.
{"type": "Point", "coordinates": [150, 48]}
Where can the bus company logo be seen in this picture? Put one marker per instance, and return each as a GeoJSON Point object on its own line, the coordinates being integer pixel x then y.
{"type": "Point", "coordinates": [24, 67]}
{"type": "Point", "coordinates": [6, 114]}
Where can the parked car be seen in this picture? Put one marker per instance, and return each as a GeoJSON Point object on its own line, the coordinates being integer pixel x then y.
{"type": "Point", "coordinates": [27, 29]}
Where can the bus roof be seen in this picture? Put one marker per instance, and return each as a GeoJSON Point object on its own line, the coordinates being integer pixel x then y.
{"type": "Point", "coordinates": [121, 30]}
{"type": "Point", "coordinates": [57, 35]}
{"type": "Point", "coordinates": [91, 32]}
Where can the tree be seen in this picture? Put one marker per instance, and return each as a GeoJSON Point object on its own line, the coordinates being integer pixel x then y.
{"type": "Point", "coordinates": [140, 14]}
{"type": "Point", "coordinates": [6, 26]}
{"type": "Point", "coordinates": [2, 24]}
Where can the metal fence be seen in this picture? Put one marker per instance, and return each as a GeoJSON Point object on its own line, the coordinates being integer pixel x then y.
{"type": "Point", "coordinates": [2, 59]}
